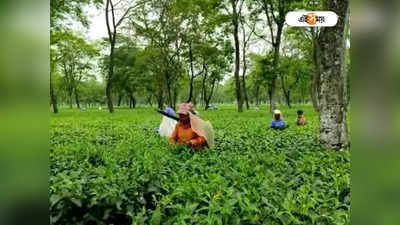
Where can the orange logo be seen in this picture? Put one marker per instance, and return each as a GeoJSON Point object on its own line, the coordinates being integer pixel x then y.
{"type": "Point", "coordinates": [311, 18]}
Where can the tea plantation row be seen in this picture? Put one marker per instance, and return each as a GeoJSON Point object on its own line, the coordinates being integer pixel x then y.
{"type": "Point", "coordinates": [114, 169]}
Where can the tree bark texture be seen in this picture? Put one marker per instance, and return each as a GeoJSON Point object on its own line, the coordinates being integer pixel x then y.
{"type": "Point", "coordinates": [235, 23]}
{"type": "Point", "coordinates": [192, 73]}
{"type": "Point", "coordinates": [53, 97]}
{"type": "Point", "coordinates": [78, 105]}
{"type": "Point", "coordinates": [332, 96]}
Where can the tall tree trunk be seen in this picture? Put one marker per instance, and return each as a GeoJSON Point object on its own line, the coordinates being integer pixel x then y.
{"type": "Point", "coordinates": [235, 24]}
{"type": "Point", "coordinates": [78, 105]}
{"type": "Point", "coordinates": [244, 48]}
{"type": "Point", "coordinates": [244, 81]}
{"type": "Point", "coordinates": [204, 90]}
{"type": "Point", "coordinates": [332, 97]}
{"type": "Point", "coordinates": [112, 37]}
{"type": "Point", "coordinates": [109, 97]}
{"type": "Point", "coordinates": [109, 79]}
{"type": "Point", "coordinates": [192, 73]}
{"type": "Point", "coordinates": [70, 93]}
{"type": "Point", "coordinates": [53, 97]}
{"type": "Point", "coordinates": [315, 84]}
{"type": "Point", "coordinates": [277, 47]}
{"type": "Point", "coordinates": [208, 100]}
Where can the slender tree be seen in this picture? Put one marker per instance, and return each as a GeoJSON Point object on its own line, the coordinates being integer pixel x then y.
{"type": "Point", "coordinates": [246, 36]}
{"type": "Point", "coordinates": [53, 95]}
{"type": "Point", "coordinates": [275, 12]}
{"type": "Point", "coordinates": [236, 7]}
{"type": "Point", "coordinates": [112, 38]}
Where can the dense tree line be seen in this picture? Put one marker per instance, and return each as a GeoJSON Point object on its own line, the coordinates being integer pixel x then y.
{"type": "Point", "coordinates": [161, 52]}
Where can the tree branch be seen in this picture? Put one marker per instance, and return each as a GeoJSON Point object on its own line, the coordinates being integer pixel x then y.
{"type": "Point", "coordinates": [201, 72]}
{"type": "Point", "coordinates": [107, 21]}
{"type": "Point", "coordinates": [269, 21]}
{"type": "Point", "coordinates": [113, 16]}
{"type": "Point", "coordinates": [123, 16]}
{"type": "Point", "coordinates": [263, 38]}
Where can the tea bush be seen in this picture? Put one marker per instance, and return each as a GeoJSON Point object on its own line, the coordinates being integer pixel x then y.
{"type": "Point", "coordinates": [114, 169]}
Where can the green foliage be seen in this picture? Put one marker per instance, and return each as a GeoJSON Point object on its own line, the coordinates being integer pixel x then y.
{"type": "Point", "coordinates": [114, 169]}
{"type": "Point", "coordinates": [263, 67]}
{"type": "Point", "coordinates": [62, 9]}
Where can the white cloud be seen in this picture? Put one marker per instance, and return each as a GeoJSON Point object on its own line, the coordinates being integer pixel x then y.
{"type": "Point", "coordinates": [97, 28]}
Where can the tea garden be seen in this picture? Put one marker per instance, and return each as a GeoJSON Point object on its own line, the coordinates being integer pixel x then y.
{"type": "Point", "coordinates": [114, 169]}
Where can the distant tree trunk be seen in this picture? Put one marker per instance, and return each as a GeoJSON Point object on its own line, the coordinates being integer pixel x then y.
{"type": "Point", "coordinates": [78, 105]}
{"type": "Point", "coordinates": [149, 100]}
{"type": "Point", "coordinates": [245, 42]}
{"type": "Point", "coordinates": [175, 98]}
{"type": "Point", "coordinates": [286, 92]}
{"type": "Point", "coordinates": [192, 73]}
{"type": "Point", "coordinates": [160, 98]}
{"type": "Point", "coordinates": [257, 94]}
{"type": "Point", "coordinates": [119, 99]}
{"type": "Point", "coordinates": [244, 82]}
{"type": "Point", "coordinates": [315, 84]}
{"type": "Point", "coordinates": [275, 64]}
{"type": "Point", "coordinates": [204, 89]}
{"type": "Point", "coordinates": [235, 23]}
{"type": "Point", "coordinates": [68, 78]}
{"type": "Point", "coordinates": [112, 36]}
{"type": "Point", "coordinates": [287, 89]}
{"type": "Point", "coordinates": [53, 97]}
{"type": "Point", "coordinates": [270, 9]}
{"type": "Point", "coordinates": [70, 93]}
{"type": "Point", "coordinates": [109, 97]}
{"type": "Point", "coordinates": [303, 100]}
{"type": "Point", "coordinates": [168, 82]}
{"type": "Point", "coordinates": [132, 101]}
{"type": "Point", "coordinates": [109, 78]}
{"type": "Point", "coordinates": [332, 96]}
{"type": "Point", "coordinates": [287, 97]}
{"type": "Point", "coordinates": [270, 97]}
{"type": "Point", "coordinates": [208, 99]}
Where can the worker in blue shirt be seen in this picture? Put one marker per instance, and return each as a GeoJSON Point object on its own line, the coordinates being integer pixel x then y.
{"type": "Point", "coordinates": [277, 122]}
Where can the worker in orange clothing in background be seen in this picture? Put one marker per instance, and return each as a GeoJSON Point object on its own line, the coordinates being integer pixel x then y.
{"type": "Point", "coordinates": [301, 119]}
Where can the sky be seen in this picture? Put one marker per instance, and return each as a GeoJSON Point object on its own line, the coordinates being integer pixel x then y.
{"type": "Point", "coordinates": [97, 20]}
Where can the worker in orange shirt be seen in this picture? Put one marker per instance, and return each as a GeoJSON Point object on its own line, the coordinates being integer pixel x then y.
{"type": "Point", "coordinates": [191, 131]}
